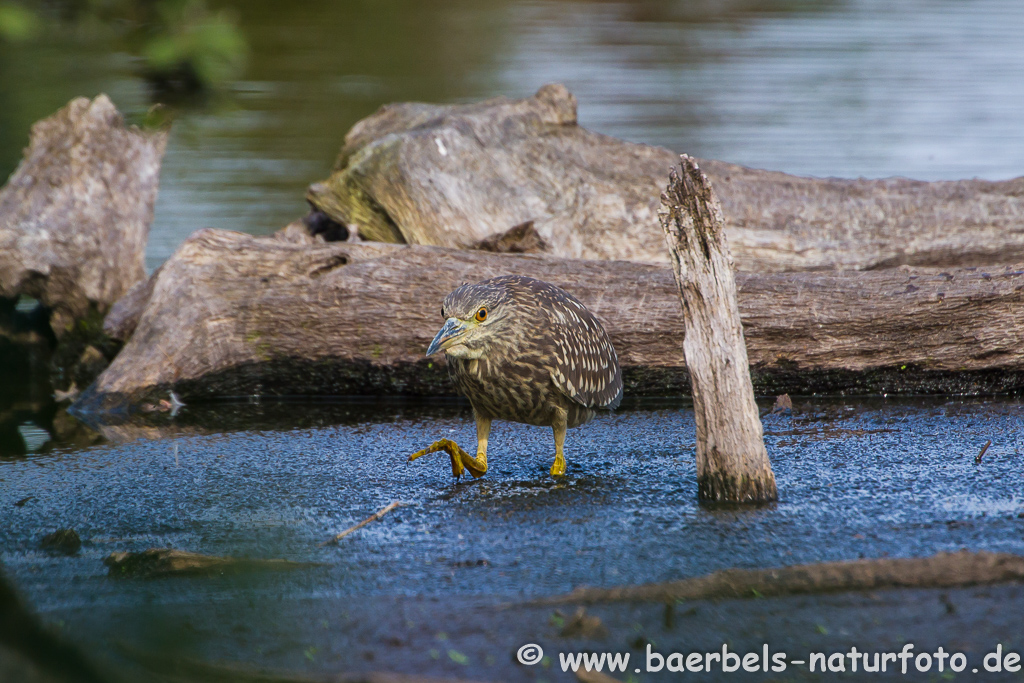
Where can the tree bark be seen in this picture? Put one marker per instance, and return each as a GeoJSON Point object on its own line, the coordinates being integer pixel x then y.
{"type": "Point", "coordinates": [463, 175]}
{"type": "Point", "coordinates": [75, 215]}
{"type": "Point", "coordinates": [235, 315]}
{"type": "Point", "coordinates": [732, 463]}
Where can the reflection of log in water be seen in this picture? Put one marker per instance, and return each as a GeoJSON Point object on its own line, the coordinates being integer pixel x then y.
{"type": "Point", "coordinates": [235, 315]}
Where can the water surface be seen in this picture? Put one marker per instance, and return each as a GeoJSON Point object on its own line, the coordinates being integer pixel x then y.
{"type": "Point", "coordinates": [857, 478]}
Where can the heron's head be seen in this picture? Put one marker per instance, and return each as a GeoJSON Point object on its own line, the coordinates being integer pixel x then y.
{"type": "Point", "coordinates": [475, 318]}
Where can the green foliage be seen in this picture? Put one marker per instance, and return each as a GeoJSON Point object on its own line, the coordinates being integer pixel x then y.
{"type": "Point", "coordinates": [189, 37]}
{"type": "Point", "coordinates": [17, 23]}
{"type": "Point", "coordinates": [184, 46]}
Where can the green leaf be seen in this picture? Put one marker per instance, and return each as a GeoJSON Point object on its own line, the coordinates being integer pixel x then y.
{"type": "Point", "coordinates": [18, 23]}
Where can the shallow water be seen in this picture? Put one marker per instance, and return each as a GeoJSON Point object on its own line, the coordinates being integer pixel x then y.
{"type": "Point", "coordinates": [930, 90]}
{"type": "Point", "coordinates": [857, 478]}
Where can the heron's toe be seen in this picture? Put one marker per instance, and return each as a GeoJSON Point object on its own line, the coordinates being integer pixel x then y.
{"type": "Point", "coordinates": [558, 469]}
{"type": "Point", "coordinates": [460, 459]}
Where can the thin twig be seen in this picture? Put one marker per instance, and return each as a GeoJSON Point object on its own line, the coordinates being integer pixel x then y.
{"type": "Point", "coordinates": [375, 516]}
{"type": "Point", "coordinates": [977, 458]}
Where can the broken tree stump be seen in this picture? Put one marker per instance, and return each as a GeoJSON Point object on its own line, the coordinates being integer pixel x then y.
{"type": "Point", "coordinates": [732, 463]}
{"type": "Point", "coordinates": [75, 215]}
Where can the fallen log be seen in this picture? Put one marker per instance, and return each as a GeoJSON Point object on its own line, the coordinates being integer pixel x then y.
{"type": "Point", "coordinates": [75, 215]}
{"type": "Point", "coordinates": [942, 570]}
{"type": "Point", "coordinates": [474, 176]}
{"type": "Point", "coordinates": [234, 315]}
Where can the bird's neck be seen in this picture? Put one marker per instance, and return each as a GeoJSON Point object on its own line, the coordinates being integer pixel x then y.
{"type": "Point", "coordinates": [463, 352]}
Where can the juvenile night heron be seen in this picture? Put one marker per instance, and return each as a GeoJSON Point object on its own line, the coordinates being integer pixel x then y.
{"type": "Point", "coordinates": [524, 350]}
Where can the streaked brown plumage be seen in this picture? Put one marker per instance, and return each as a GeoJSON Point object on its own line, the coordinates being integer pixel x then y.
{"type": "Point", "coordinates": [525, 350]}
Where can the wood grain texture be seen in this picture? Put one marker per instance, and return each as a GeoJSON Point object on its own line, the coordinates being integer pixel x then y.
{"type": "Point", "coordinates": [732, 463]}
{"type": "Point", "coordinates": [235, 315]}
{"type": "Point", "coordinates": [75, 215]}
{"type": "Point", "coordinates": [459, 175]}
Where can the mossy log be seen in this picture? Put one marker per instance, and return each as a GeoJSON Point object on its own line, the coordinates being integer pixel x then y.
{"type": "Point", "coordinates": [75, 215]}
{"type": "Point", "coordinates": [234, 315]}
{"type": "Point", "coordinates": [470, 176]}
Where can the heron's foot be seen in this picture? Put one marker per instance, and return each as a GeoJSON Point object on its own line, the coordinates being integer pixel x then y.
{"type": "Point", "coordinates": [461, 460]}
{"type": "Point", "coordinates": [558, 469]}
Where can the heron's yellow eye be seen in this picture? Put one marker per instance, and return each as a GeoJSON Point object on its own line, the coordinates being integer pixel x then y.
{"type": "Point", "coordinates": [481, 315]}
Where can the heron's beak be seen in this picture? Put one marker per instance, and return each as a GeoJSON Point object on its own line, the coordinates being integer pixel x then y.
{"type": "Point", "coordinates": [448, 335]}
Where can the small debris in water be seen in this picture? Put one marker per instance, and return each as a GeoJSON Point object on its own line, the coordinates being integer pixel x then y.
{"type": "Point", "coordinates": [70, 395]}
{"type": "Point", "coordinates": [783, 404]}
{"type": "Point", "coordinates": [585, 675]}
{"type": "Point", "coordinates": [977, 459]}
{"type": "Point", "coordinates": [172, 406]}
{"type": "Point", "coordinates": [583, 625]}
{"type": "Point", "coordinates": [471, 563]}
{"type": "Point", "coordinates": [176, 404]}
{"type": "Point", "coordinates": [375, 516]}
{"type": "Point", "coordinates": [64, 541]}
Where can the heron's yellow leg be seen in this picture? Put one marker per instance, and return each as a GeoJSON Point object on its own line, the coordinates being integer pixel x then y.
{"type": "Point", "coordinates": [461, 460]}
{"type": "Point", "coordinates": [558, 469]}
{"type": "Point", "coordinates": [478, 465]}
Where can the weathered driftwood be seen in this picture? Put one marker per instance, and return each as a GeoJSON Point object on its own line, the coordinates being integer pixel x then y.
{"type": "Point", "coordinates": [942, 570]}
{"type": "Point", "coordinates": [462, 175]}
{"type": "Point", "coordinates": [235, 315]}
{"type": "Point", "coordinates": [732, 463]}
{"type": "Point", "coordinates": [75, 215]}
